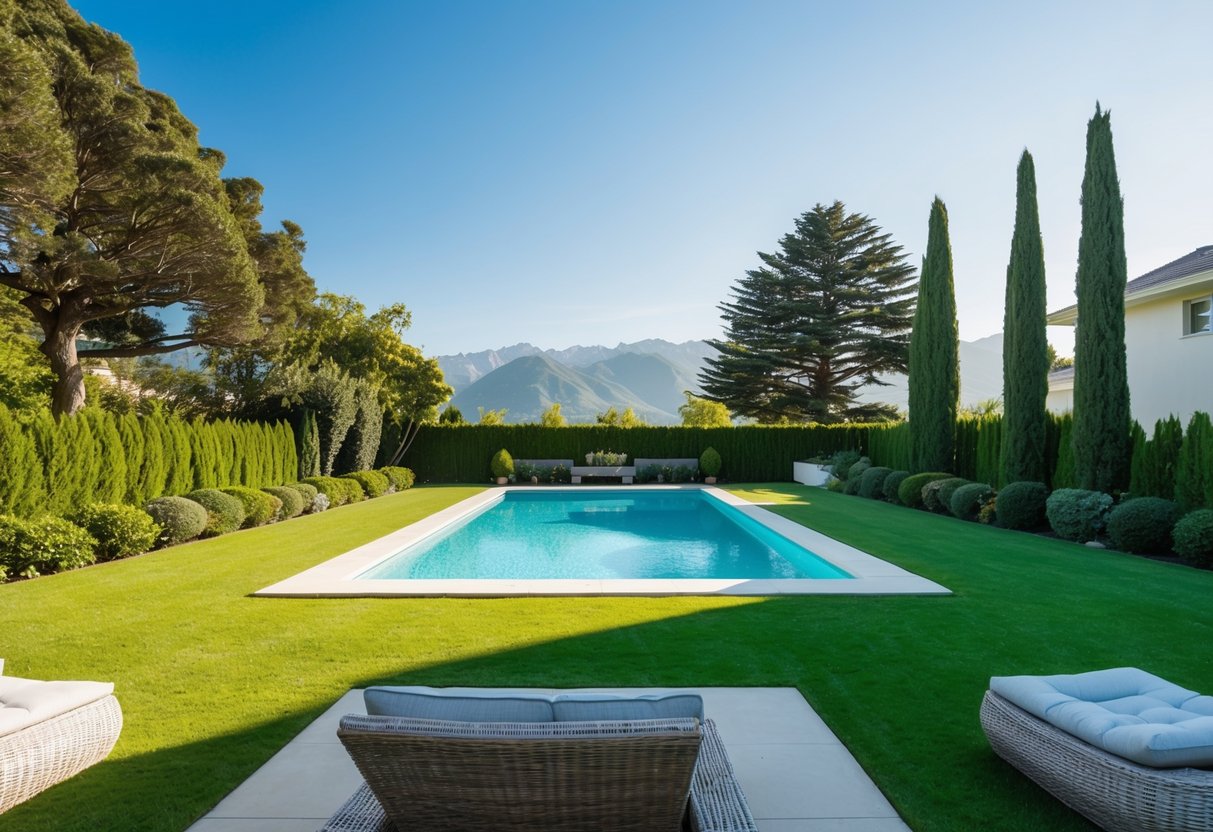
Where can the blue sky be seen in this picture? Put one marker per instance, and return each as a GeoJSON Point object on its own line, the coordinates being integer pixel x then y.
{"type": "Point", "coordinates": [575, 172]}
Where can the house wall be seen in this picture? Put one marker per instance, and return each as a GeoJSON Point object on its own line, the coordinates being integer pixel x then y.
{"type": "Point", "coordinates": [1168, 371]}
{"type": "Point", "coordinates": [1060, 399]}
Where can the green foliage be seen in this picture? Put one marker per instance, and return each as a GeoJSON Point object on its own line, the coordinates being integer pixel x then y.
{"type": "Point", "coordinates": [934, 365]}
{"type": "Point", "coordinates": [1077, 514]}
{"type": "Point", "coordinates": [1025, 347]}
{"type": "Point", "coordinates": [841, 462]}
{"type": "Point", "coordinates": [492, 417]}
{"type": "Point", "coordinates": [871, 482]}
{"type": "Point", "coordinates": [401, 479]}
{"type": "Point", "coordinates": [553, 418]}
{"type": "Point", "coordinates": [710, 462]}
{"type": "Point", "coordinates": [1064, 475]}
{"type": "Point", "coordinates": [909, 493]}
{"type": "Point", "coordinates": [225, 512]}
{"type": "Point", "coordinates": [968, 500]}
{"type": "Point", "coordinates": [937, 494]}
{"type": "Point", "coordinates": [1101, 386]}
{"type": "Point", "coordinates": [309, 453]}
{"type": "Point", "coordinates": [892, 484]}
{"type": "Point", "coordinates": [611, 416]}
{"type": "Point", "coordinates": [697, 412]}
{"type": "Point", "coordinates": [338, 491]}
{"type": "Point", "coordinates": [1155, 464]}
{"type": "Point", "coordinates": [1194, 479]}
{"type": "Point", "coordinates": [372, 483]}
{"type": "Point", "coordinates": [22, 484]}
{"type": "Point", "coordinates": [502, 464]}
{"type": "Point", "coordinates": [120, 531]}
{"type": "Point", "coordinates": [180, 519]}
{"type": "Point", "coordinates": [362, 442]}
{"type": "Point", "coordinates": [306, 489]}
{"type": "Point", "coordinates": [291, 500]}
{"type": "Point", "coordinates": [857, 468]}
{"type": "Point", "coordinates": [259, 507]}
{"type": "Point", "coordinates": [25, 377]}
{"type": "Point", "coordinates": [43, 546]}
{"type": "Point", "coordinates": [1193, 537]}
{"type": "Point", "coordinates": [1142, 525]}
{"type": "Point", "coordinates": [890, 445]}
{"type": "Point", "coordinates": [1021, 506]}
{"type": "Point", "coordinates": [451, 415]}
{"type": "Point", "coordinates": [815, 322]}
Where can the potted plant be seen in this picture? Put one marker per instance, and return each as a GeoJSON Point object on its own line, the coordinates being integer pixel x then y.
{"type": "Point", "coordinates": [502, 465]}
{"type": "Point", "coordinates": [709, 464]}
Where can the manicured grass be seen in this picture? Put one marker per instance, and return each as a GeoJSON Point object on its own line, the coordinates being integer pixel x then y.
{"type": "Point", "coordinates": [213, 682]}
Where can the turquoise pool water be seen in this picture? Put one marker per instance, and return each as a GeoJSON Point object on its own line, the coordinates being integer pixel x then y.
{"type": "Point", "coordinates": [531, 535]}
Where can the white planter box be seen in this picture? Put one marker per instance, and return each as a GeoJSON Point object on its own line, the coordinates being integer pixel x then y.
{"type": "Point", "coordinates": [809, 473]}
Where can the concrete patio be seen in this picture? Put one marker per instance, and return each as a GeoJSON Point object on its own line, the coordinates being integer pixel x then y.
{"type": "Point", "coordinates": [796, 774]}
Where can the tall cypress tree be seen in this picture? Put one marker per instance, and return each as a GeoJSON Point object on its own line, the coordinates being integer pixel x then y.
{"type": "Point", "coordinates": [935, 353]}
{"type": "Point", "coordinates": [309, 452]}
{"type": "Point", "coordinates": [1025, 347]}
{"type": "Point", "coordinates": [1102, 441]}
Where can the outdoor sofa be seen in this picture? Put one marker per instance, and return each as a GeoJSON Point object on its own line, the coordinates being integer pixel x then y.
{"type": "Point", "coordinates": [480, 760]}
{"type": "Point", "coordinates": [1128, 750]}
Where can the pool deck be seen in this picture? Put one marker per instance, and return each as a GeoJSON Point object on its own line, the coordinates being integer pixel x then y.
{"type": "Point", "coordinates": [795, 773]}
{"type": "Point", "coordinates": [337, 577]}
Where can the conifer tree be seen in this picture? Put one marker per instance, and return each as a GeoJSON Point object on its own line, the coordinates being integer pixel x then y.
{"type": "Point", "coordinates": [1194, 476]}
{"type": "Point", "coordinates": [309, 452]}
{"type": "Point", "coordinates": [22, 490]}
{"type": "Point", "coordinates": [1025, 347]}
{"type": "Point", "coordinates": [202, 453]}
{"type": "Point", "coordinates": [179, 457]}
{"type": "Point", "coordinates": [110, 484]}
{"type": "Point", "coordinates": [154, 479]}
{"type": "Point", "coordinates": [935, 354]}
{"type": "Point", "coordinates": [1102, 442]}
{"type": "Point", "coordinates": [290, 456]}
{"type": "Point", "coordinates": [1063, 471]}
{"type": "Point", "coordinates": [132, 447]}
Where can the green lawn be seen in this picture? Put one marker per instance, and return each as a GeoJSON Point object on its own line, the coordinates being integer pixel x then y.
{"type": "Point", "coordinates": [212, 682]}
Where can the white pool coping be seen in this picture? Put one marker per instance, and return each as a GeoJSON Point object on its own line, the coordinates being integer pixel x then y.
{"type": "Point", "coordinates": [337, 577]}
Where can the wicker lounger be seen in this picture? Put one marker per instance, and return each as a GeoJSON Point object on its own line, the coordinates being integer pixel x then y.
{"type": "Point", "coordinates": [46, 753]}
{"type": "Point", "coordinates": [716, 802]}
{"type": "Point", "coordinates": [1117, 794]}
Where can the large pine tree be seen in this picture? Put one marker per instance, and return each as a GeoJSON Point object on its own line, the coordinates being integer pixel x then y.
{"type": "Point", "coordinates": [1102, 441]}
{"type": "Point", "coordinates": [1025, 347]}
{"type": "Point", "coordinates": [935, 354]}
{"type": "Point", "coordinates": [820, 319]}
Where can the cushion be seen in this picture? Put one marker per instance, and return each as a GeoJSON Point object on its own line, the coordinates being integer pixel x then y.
{"type": "Point", "coordinates": [457, 704]}
{"type": "Point", "coordinates": [26, 702]}
{"type": "Point", "coordinates": [597, 707]}
{"type": "Point", "coordinates": [1124, 710]}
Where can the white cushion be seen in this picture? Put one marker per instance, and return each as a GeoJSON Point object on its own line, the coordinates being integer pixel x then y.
{"type": "Point", "coordinates": [26, 702]}
{"type": "Point", "coordinates": [1125, 711]}
{"type": "Point", "coordinates": [457, 704]}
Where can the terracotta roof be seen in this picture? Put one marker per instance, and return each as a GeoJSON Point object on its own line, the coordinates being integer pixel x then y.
{"type": "Point", "coordinates": [1198, 261]}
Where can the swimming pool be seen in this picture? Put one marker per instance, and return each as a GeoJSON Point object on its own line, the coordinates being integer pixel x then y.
{"type": "Point", "coordinates": [603, 535]}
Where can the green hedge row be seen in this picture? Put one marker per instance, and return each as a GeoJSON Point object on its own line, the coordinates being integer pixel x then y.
{"type": "Point", "coordinates": [54, 466]}
{"type": "Point", "coordinates": [461, 453]}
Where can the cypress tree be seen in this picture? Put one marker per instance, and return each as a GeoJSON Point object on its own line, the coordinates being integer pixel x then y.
{"type": "Point", "coordinates": [271, 470]}
{"type": "Point", "coordinates": [1194, 474]}
{"type": "Point", "coordinates": [110, 485]}
{"type": "Point", "coordinates": [1102, 441]}
{"type": "Point", "coordinates": [132, 446]}
{"type": "Point", "coordinates": [309, 451]}
{"type": "Point", "coordinates": [1063, 471]}
{"type": "Point", "coordinates": [935, 354]}
{"type": "Point", "coordinates": [1155, 465]}
{"type": "Point", "coordinates": [22, 490]}
{"type": "Point", "coordinates": [203, 469]}
{"type": "Point", "coordinates": [1025, 348]}
{"type": "Point", "coordinates": [237, 451]}
{"type": "Point", "coordinates": [290, 456]}
{"type": "Point", "coordinates": [154, 479]}
{"type": "Point", "coordinates": [179, 456]}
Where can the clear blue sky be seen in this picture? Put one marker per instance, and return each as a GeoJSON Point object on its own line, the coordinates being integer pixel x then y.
{"type": "Point", "coordinates": [574, 172]}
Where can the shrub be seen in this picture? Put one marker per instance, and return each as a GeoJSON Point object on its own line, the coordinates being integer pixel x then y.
{"type": "Point", "coordinates": [372, 483]}
{"type": "Point", "coordinates": [988, 513]}
{"type": "Point", "coordinates": [710, 462]}
{"type": "Point", "coordinates": [1076, 514]}
{"type": "Point", "coordinates": [856, 470]}
{"type": "Point", "coordinates": [871, 482]}
{"type": "Point", "coordinates": [1193, 536]}
{"type": "Point", "coordinates": [291, 499]}
{"type": "Point", "coordinates": [401, 479]}
{"type": "Point", "coordinates": [937, 494]}
{"type": "Point", "coordinates": [648, 473]}
{"type": "Point", "coordinates": [892, 483]}
{"type": "Point", "coordinates": [259, 507]}
{"type": "Point", "coordinates": [1142, 525]}
{"type": "Point", "coordinates": [224, 512]}
{"type": "Point", "coordinates": [43, 546]}
{"type": "Point", "coordinates": [339, 491]}
{"type": "Point", "coordinates": [841, 462]}
{"type": "Point", "coordinates": [180, 519]}
{"type": "Point", "coordinates": [561, 474]}
{"type": "Point", "coordinates": [1021, 506]}
{"type": "Point", "coordinates": [319, 503]}
{"type": "Point", "coordinates": [968, 499]}
{"type": "Point", "coordinates": [308, 492]}
{"type": "Point", "coordinates": [909, 493]}
{"type": "Point", "coordinates": [121, 531]}
{"type": "Point", "coordinates": [502, 464]}
{"type": "Point", "coordinates": [836, 485]}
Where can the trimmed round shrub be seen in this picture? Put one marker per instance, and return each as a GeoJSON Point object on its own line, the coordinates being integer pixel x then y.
{"type": "Point", "coordinates": [892, 483]}
{"type": "Point", "coordinates": [180, 519]}
{"type": "Point", "coordinates": [856, 470]}
{"type": "Point", "coordinates": [968, 499]}
{"type": "Point", "coordinates": [259, 507]}
{"type": "Point", "coordinates": [43, 546]}
{"type": "Point", "coordinates": [1078, 515]}
{"type": "Point", "coordinates": [401, 479]}
{"type": "Point", "coordinates": [1021, 506]}
{"type": "Point", "coordinates": [909, 493]}
{"type": "Point", "coordinates": [224, 512]}
{"type": "Point", "coordinates": [871, 482]}
{"type": "Point", "coordinates": [1193, 537]}
{"type": "Point", "coordinates": [308, 490]}
{"type": "Point", "coordinates": [121, 531]}
{"type": "Point", "coordinates": [936, 495]}
{"type": "Point", "coordinates": [292, 501]}
{"type": "Point", "coordinates": [338, 491]}
{"type": "Point", "coordinates": [372, 483]}
{"type": "Point", "coordinates": [502, 464]}
{"type": "Point", "coordinates": [841, 462]}
{"type": "Point", "coordinates": [1142, 525]}
{"type": "Point", "coordinates": [710, 462]}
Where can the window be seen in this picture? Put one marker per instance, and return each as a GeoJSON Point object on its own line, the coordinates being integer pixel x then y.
{"type": "Point", "coordinates": [1199, 317]}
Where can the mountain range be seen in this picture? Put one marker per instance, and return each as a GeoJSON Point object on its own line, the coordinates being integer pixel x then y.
{"type": "Point", "coordinates": [648, 376]}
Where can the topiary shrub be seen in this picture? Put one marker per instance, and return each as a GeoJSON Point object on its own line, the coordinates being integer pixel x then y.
{"type": "Point", "coordinates": [1078, 515]}
{"type": "Point", "coordinates": [372, 483]}
{"type": "Point", "coordinates": [308, 492]}
{"type": "Point", "coordinates": [1021, 506]}
{"type": "Point", "coordinates": [401, 479]}
{"type": "Point", "coordinates": [224, 512]}
{"type": "Point", "coordinates": [1142, 525]}
{"type": "Point", "coordinates": [120, 531]}
{"type": "Point", "coordinates": [909, 493]}
{"type": "Point", "coordinates": [43, 546]}
{"type": "Point", "coordinates": [937, 493]}
{"type": "Point", "coordinates": [892, 483]}
{"type": "Point", "coordinates": [336, 489]}
{"type": "Point", "coordinates": [871, 482]}
{"type": "Point", "coordinates": [291, 499]}
{"type": "Point", "coordinates": [710, 462]}
{"type": "Point", "coordinates": [841, 462]}
{"type": "Point", "coordinates": [968, 499]}
{"type": "Point", "coordinates": [180, 519]}
{"type": "Point", "coordinates": [857, 469]}
{"type": "Point", "coordinates": [259, 507]}
{"type": "Point", "coordinates": [502, 464]}
{"type": "Point", "coordinates": [1193, 537]}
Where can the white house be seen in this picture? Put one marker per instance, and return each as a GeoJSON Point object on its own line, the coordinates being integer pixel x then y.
{"type": "Point", "coordinates": [1168, 340]}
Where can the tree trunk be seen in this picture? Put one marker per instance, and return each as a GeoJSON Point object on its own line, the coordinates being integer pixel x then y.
{"type": "Point", "coordinates": [67, 395]}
